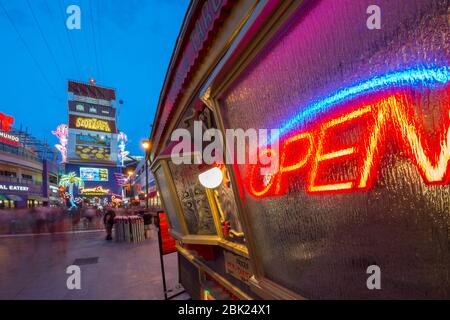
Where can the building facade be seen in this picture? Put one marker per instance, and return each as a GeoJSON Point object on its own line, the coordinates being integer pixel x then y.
{"type": "Point", "coordinates": [138, 181]}
{"type": "Point", "coordinates": [92, 152]}
{"type": "Point", "coordinates": [361, 179]}
{"type": "Point", "coordinates": [28, 169]}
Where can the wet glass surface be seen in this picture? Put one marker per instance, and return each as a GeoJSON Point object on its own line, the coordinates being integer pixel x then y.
{"type": "Point", "coordinates": [167, 199]}
{"type": "Point", "coordinates": [319, 244]}
{"type": "Point", "coordinates": [194, 202]}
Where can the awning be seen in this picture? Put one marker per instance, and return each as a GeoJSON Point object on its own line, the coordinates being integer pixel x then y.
{"type": "Point", "coordinates": [14, 197]}
{"type": "Point", "coordinates": [3, 197]}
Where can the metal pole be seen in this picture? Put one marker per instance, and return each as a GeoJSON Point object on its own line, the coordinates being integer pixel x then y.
{"type": "Point", "coordinates": [146, 180]}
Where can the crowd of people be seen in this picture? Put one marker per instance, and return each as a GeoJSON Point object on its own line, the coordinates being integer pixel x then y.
{"type": "Point", "coordinates": [41, 220]}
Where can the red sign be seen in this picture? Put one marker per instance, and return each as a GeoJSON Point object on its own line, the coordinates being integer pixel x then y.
{"type": "Point", "coordinates": [6, 122]}
{"type": "Point", "coordinates": [168, 243]}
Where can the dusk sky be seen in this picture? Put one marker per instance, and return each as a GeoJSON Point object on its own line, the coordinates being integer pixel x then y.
{"type": "Point", "coordinates": [125, 45]}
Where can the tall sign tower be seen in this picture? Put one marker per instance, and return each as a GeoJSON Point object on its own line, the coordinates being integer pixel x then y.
{"type": "Point", "coordinates": [92, 151]}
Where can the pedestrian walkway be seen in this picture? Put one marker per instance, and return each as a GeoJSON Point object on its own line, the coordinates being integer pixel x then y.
{"type": "Point", "coordinates": [34, 267]}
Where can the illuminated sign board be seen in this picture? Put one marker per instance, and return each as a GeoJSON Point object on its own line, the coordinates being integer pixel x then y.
{"type": "Point", "coordinates": [93, 124]}
{"type": "Point", "coordinates": [14, 188]}
{"type": "Point", "coordinates": [97, 191]}
{"type": "Point", "coordinates": [315, 154]}
{"type": "Point", "coordinates": [93, 153]}
{"type": "Point", "coordinates": [93, 147]}
{"type": "Point", "coordinates": [9, 138]}
{"type": "Point", "coordinates": [94, 174]}
{"type": "Point", "coordinates": [92, 109]}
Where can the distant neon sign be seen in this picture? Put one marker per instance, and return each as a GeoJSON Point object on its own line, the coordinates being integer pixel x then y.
{"type": "Point", "coordinates": [97, 191]}
{"type": "Point", "coordinates": [92, 124]}
{"type": "Point", "coordinates": [62, 133]}
{"type": "Point", "coordinates": [315, 152]}
{"type": "Point", "coordinates": [6, 122]}
{"type": "Point", "coordinates": [123, 153]}
{"type": "Point", "coordinates": [5, 126]}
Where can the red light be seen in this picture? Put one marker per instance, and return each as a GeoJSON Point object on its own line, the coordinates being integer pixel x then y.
{"type": "Point", "coordinates": [6, 122]}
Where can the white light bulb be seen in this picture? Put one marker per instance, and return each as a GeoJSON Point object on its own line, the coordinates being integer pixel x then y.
{"type": "Point", "coordinates": [211, 178]}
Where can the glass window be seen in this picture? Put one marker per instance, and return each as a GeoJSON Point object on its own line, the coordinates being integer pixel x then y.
{"type": "Point", "coordinates": [318, 242]}
{"type": "Point", "coordinates": [194, 201]}
{"type": "Point", "coordinates": [168, 200]}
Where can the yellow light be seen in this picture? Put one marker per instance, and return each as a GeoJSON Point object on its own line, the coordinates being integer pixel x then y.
{"type": "Point", "coordinates": [146, 144]}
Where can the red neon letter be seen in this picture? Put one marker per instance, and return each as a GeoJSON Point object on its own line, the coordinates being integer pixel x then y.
{"type": "Point", "coordinates": [432, 172]}
{"type": "Point", "coordinates": [255, 176]}
{"type": "Point", "coordinates": [373, 147]}
{"type": "Point", "coordinates": [289, 144]}
{"type": "Point", "coordinates": [319, 157]}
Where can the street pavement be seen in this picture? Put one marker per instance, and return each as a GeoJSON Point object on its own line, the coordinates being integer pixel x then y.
{"type": "Point", "coordinates": [34, 267]}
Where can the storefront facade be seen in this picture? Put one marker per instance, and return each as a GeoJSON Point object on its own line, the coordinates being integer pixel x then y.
{"type": "Point", "coordinates": [139, 179]}
{"type": "Point", "coordinates": [26, 177]}
{"type": "Point", "coordinates": [362, 170]}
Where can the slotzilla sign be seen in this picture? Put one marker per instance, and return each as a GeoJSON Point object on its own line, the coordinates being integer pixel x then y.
{"type": "Point", "coordinates": [93, 124]}
{"type": "Point", "coordinates": [14, 188]}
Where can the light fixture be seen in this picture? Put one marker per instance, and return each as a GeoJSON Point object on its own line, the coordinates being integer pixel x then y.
{"type": "Point", "coordinates": [211, 178]}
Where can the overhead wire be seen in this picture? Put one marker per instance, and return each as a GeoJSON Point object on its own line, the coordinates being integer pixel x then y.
{"type": "Point", "coordinates": [94, 38]}
{"type": "Point", "coordinates": [72, 48]}
{"type": "Point", "coordinates": [52, 55]}
{"type": "Point", "coordinates": [30, 52]}
{"type": "Point", "coordinates": [60, 39]}
{"type": "Point", "coordinates": [99, 33]}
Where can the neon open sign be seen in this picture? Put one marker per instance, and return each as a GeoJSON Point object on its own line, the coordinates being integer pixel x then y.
{"type": "Point", "coordinates": [389, 115]}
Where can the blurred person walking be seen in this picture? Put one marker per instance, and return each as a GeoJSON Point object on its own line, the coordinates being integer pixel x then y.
{"type": "Point", "coordinates": [108, 220]}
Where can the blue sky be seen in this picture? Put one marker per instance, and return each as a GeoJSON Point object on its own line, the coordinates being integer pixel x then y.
{"type": "Point", "coordinates": [126, 45]}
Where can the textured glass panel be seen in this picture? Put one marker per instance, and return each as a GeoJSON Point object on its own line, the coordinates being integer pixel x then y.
{"type": "Point", "coordinates": [194, 201]}
{"type": "Point", "coordinates": [319, 72]}
{"type": "Point", "coordinates": [165, 194]}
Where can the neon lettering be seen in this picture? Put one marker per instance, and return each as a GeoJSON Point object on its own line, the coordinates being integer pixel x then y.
{"type": "Point", "coordinates": [395, 112]}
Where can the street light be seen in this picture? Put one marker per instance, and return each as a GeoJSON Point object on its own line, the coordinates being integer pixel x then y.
{"type": "Point", "coordinates": [146, 144]}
